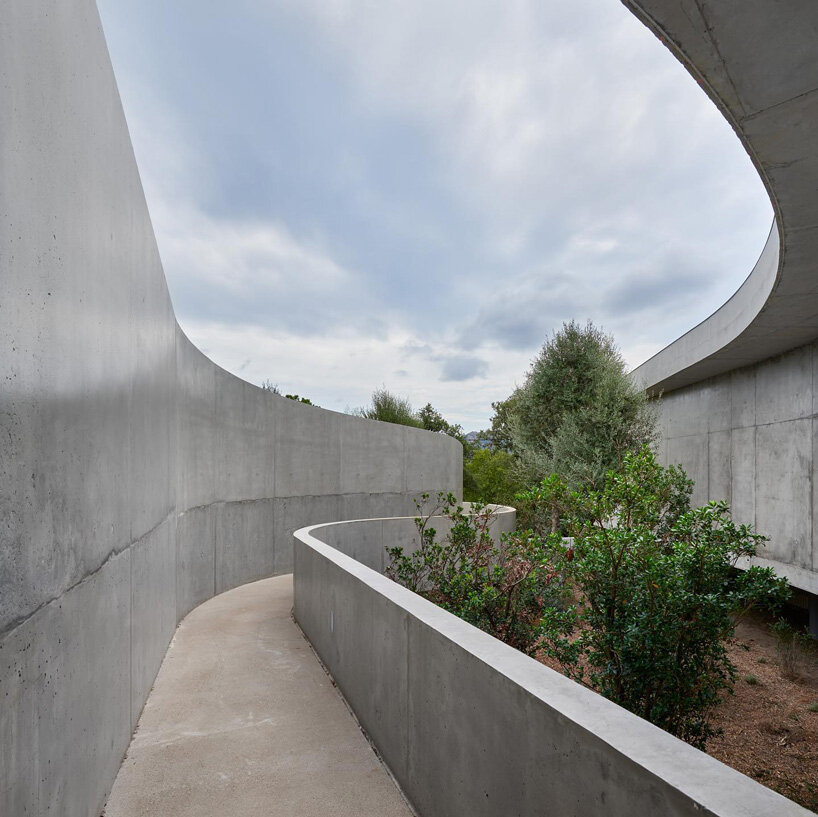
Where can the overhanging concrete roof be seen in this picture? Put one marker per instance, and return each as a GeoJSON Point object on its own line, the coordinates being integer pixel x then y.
{"type": "Point", "coordinates": [758, 61]}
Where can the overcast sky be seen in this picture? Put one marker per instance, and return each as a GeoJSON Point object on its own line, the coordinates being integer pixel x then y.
{"type": "Point", "coordinates": [350, 194]}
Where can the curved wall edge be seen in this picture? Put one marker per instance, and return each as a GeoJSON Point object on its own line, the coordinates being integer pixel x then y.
{"type": "Point", "coordinates": [705, 349]}
{"type": "Point", "coordinates": [758, 64]}
{"type": "Point", "coordinates": [137, 478]}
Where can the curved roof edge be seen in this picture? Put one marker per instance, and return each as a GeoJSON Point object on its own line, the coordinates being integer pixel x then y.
{"type": "Point", "coordinates": [760, 67]}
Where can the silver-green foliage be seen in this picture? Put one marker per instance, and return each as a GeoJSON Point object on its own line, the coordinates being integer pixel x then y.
{"type": "Point", "coordinates": [578, 412]}
{"type": "Point", "coordinates": [390, 408]}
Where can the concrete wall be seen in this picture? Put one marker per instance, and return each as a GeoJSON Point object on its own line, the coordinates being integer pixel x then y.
{"type": "Point", "coordinates": [749, 437]}
{"type": "Point", "coordinates": [471, 727]}
{"type": "Point", "coordinates": [137, 479]}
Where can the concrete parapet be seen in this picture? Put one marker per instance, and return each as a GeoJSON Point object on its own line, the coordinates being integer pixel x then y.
{"type": "Point", "coordinates": [470, 726]}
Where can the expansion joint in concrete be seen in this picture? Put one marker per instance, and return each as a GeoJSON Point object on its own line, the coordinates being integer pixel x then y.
{"type": "Point", "coordinates": [113, 554]}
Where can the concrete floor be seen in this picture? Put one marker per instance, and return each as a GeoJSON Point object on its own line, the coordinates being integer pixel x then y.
{"type": "Point", "coordinates": [243, 720]}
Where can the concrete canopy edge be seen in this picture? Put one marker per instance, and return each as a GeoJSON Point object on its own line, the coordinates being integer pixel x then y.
{"type": "Point", "coordinates": [758, 62]}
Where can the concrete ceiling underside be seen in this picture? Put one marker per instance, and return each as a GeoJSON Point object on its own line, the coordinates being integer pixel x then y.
{"type": "Point", "coordinates": [758, 61]}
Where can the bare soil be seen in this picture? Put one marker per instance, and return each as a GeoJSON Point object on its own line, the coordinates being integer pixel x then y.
{"type": "Point", "coordinates": [770, 733]}
{"type": "Point", "coordinates": [769, 730]}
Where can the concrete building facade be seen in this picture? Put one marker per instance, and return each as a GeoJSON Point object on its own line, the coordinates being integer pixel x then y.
{"type": "Point", "coordinates": [738, 392]}
{"type": "Point", "coordinates": [137, 479]}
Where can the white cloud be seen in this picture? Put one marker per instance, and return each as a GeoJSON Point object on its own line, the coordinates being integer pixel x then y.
{"type": "Point", "coordinates": [329, 370]}
{"type": "Point", "coordinates": [250, 268]}
{"type": "Point", "coordinates": [570, 169]}
{"type": "Point", "coordinates": [250, 258]}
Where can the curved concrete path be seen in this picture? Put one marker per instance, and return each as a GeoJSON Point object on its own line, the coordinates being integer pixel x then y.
{"type": "Point", "coordinates": [242, 720]}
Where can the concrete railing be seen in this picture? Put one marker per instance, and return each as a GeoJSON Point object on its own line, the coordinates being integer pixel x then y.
{"type": "Point", "coordinates": [470, 726]}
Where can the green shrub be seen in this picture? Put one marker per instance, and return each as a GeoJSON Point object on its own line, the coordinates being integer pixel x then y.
{"type": "Point", "coordinates": [511, 589]}
{"type": "Point", "coordinates": [389, 408]}
{"type": "Point", "coordinates": [546, 508]}
{"type": "Point", "coordinates": [491, 477]}
{"type": "Point", "coordinates": [658, 593]}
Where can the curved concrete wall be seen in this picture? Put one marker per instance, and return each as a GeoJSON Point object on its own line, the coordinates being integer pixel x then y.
{"type": "Point", "coordinates": [739, 402]}
{"type": "Point", "coordinates": [137, 478]}
{"type": "Point", "coordinates": [470, 726]}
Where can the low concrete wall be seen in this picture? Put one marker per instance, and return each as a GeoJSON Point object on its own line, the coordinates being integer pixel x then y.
{"type": "Point", "coordinates": [366, 540]}
{"type": "Point", "coordinates": [137, 479]}
{"type": "Point", "coordinates": [470, 726]}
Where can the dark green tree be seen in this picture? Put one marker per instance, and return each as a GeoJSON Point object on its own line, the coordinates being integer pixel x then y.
{"type": "Point", "coordinates": [432, 420]}
{"type": "Point", "coordinates": [498, 437]}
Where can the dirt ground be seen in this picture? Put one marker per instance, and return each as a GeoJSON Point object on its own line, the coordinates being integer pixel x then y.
{"type": "Point", "coordinates": [769, 730]}
{"type": "Point", "coordinates": [770, 733]}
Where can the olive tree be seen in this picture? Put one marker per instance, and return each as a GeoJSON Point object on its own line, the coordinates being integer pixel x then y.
{"type": "Point", "coordinates": [578, 412]}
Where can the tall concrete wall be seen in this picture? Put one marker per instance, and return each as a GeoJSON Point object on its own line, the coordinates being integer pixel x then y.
{"type": "Point", "coordinates": [137, 478]}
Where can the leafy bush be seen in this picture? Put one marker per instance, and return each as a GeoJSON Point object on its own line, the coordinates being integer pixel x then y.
{"type": "Point", "coordinates": [658, 592]}
{"type": "Point", "coordinates": [389, 408]}
{"type": "Point", "coordinates": [299, 399]}
{"type": "Point", "coordinates": [491, 477]}
{"type": "Point", "coordinates": [510, 588]}
{"type": "Point", "coordinates": [545, 508]}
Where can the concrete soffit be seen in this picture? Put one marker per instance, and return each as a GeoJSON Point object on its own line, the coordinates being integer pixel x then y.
{"type": "Point", "coordinates": [758, 62]}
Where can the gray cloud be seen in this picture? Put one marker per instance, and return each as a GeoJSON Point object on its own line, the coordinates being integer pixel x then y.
{"type": "Point", "coordinates": [673, 285]}
{"type": "Point", "coordinates": [463, 368]}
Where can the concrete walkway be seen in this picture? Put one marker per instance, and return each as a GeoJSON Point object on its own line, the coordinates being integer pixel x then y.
{"type": "Point", "coordinates": [242, 720]}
